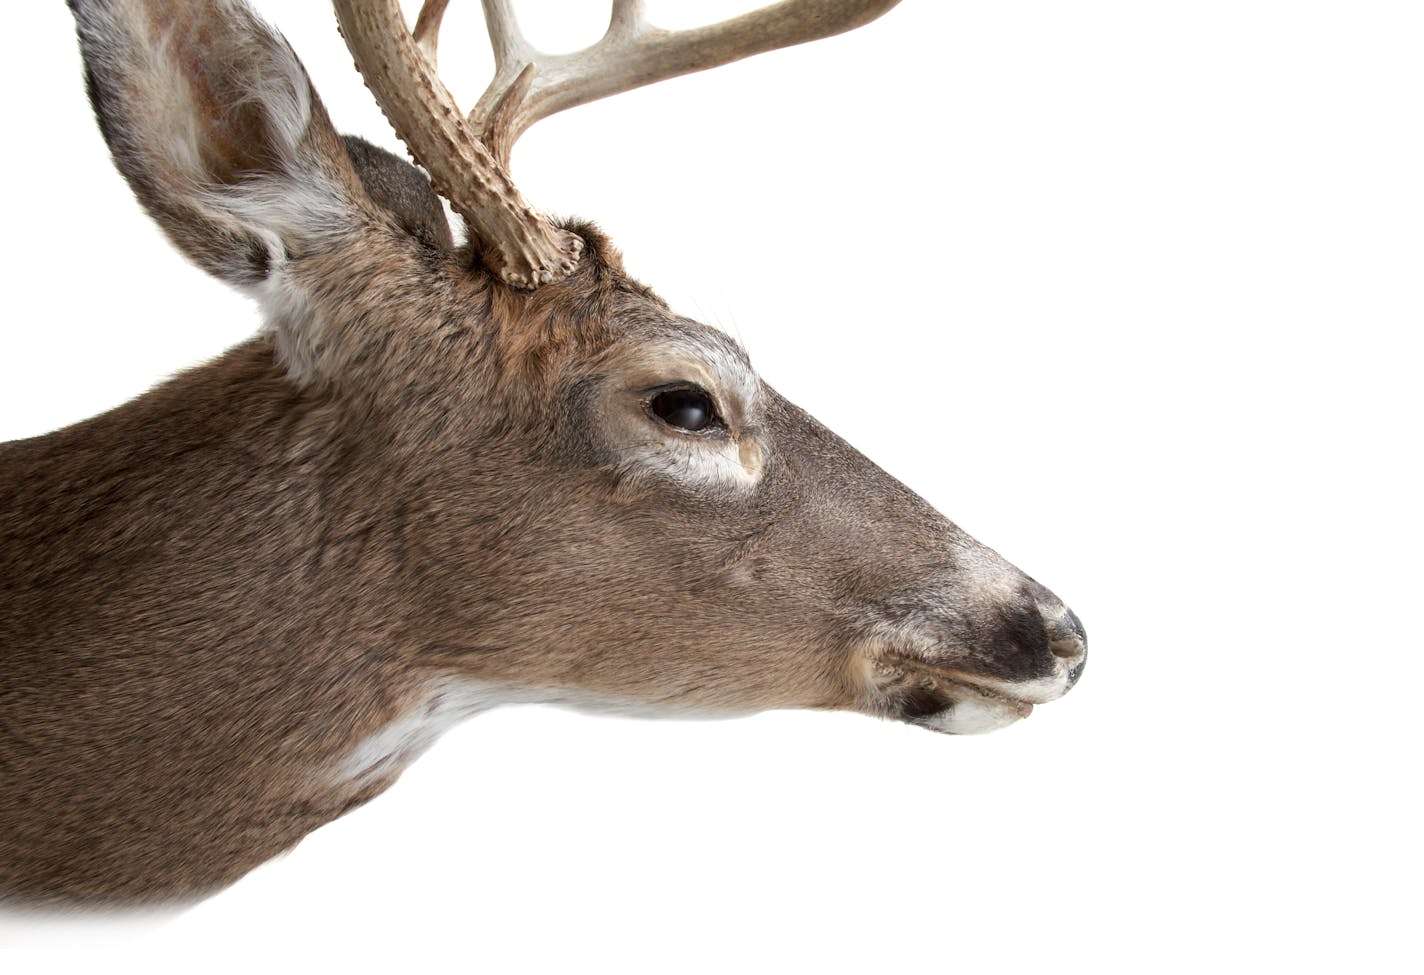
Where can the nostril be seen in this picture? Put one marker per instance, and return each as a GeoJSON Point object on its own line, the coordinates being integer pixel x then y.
{"type": "Point", "coordinates": [1066, 636]}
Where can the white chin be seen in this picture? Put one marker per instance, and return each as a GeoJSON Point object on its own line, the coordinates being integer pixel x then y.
{"type": "Point", "coordinates": [976, 716]}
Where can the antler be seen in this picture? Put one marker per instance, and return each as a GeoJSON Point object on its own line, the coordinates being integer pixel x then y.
{"type": "Point", "coordinates": [516, 241]}
{"type": "Point", "coordinates": [468, 158]}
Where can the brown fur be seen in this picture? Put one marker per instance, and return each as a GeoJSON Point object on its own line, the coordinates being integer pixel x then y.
{"type": "Point", "coordinates": [213, 594]}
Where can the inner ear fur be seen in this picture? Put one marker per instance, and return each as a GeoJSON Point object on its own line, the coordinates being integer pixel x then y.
{"type": "Point", "coordinates": [212, 120]}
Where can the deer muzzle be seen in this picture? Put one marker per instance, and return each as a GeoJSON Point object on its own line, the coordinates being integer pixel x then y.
{"type": "Point", "coordinates": [979, 672]}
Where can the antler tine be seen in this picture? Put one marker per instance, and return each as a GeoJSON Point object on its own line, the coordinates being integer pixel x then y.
{"type": "Point", "coordinates": [507, 42]}
{"type": "Point", "coordinates": [633, 53]}
{"type": "Point", "coordinates": [515, 240]}
{"type": "Point", "coordinates": [627, 16]}
{"type": "Point", "coordinates": [427, 26]}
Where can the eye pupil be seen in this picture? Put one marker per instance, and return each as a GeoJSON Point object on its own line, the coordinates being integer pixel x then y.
{"type": "Point", "coordinates": [686, 409]}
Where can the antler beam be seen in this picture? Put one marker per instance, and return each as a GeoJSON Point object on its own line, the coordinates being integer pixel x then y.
{"type": "Point", "coordinates": [516, 241]}
{"type": "Point", "coordinates": [634, 53]}
{"type": "Point", "coordinates": [468, 158]}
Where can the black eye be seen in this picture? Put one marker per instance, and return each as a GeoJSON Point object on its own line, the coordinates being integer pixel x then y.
{"type": "Point", "coordinates": [687, 409]}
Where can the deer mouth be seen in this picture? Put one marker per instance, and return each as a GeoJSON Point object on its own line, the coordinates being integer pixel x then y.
{"type": "Point", "coordinates": [941, 699]}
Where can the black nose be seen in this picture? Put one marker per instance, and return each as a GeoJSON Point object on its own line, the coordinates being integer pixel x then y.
{"type": "Point", "coordinates": [1068, 627]}
{"type": "Point", "coordinates": [1068, 640]}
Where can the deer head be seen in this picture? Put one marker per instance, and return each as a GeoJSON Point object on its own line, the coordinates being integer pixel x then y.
{"type": "Point", "coordinates": [445, 477]}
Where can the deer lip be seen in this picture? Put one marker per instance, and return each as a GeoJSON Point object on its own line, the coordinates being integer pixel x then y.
{"type": "Point", "coordinates": [974, 709]}
{"type": "Point", "coordinates": [954, 682]}
{"type": "Point", "coordinates": [942, 698]}
{"type": "Point", "coordinates": [957, 683]}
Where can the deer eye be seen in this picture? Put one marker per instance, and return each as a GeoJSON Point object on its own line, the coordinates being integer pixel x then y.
{"type": "Point", "coordinates": [687, 408]}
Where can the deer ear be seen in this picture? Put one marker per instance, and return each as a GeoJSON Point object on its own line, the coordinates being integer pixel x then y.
{"type": "Point", "coordinates": [213, 122]}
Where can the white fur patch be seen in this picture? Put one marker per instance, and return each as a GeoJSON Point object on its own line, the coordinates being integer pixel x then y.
{"type": "Point", "coordinates": [294, 323]}
{"type": "Point", "coordinates": [701, 463]}
{"type": "Point", "coordinates": [731, 376]}
{"type": "Point", "coordinates": [449, 702]}
{"type": "Point", "coordinates": [402, 741]}
{"type": "Point", "coordinates": [974, 716]}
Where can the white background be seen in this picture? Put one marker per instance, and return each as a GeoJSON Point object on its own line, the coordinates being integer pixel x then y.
{"type": "Point", "coordinates": [1130, 290]}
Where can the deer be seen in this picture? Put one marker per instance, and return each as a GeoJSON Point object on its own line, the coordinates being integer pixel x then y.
{"type": "Point", "coordinates": [448, 474]}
